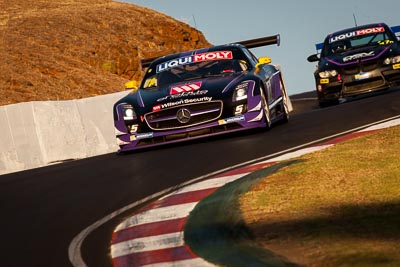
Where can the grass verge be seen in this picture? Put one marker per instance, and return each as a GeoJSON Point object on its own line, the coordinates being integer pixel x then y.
{"type": "Point", "coordinates": [336, 207]}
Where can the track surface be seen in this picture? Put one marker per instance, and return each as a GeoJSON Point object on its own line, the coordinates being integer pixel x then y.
{"type": "Point", "coordinates": [42, 210]}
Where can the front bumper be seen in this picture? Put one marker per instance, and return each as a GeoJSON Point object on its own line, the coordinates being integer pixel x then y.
{"type": "Point", "coordinates": [236, 123]}
{"type": "Point", "coordinates": [353, 82]}
{"type": "Point", "coordinates": [252, 116]}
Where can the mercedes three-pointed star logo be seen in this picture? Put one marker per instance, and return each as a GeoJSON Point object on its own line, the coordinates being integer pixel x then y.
{"type": "Point", "coordinates": [183, 115]}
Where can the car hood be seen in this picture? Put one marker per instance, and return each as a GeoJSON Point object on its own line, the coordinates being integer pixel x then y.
{"type": "Point", "coordinates": [199, 90]}
{"type": "Point", "coordinates": [354, 56]}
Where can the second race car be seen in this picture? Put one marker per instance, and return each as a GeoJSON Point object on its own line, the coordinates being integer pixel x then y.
{"type": "Point", "coordinates": [355, 61]}
{"type": "Point", "coordinates": [203, 92]}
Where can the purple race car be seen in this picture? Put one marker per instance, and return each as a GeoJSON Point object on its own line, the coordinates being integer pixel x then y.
{"type": "Point", "coordinates": [201, 93]}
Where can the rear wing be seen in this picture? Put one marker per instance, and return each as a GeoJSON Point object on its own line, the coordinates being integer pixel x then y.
{"type": "Point", "coordinates": [263, 41]}
{"type": "Point", "coordinates": [318, 47]}
{"type": "Point", "coordinates": [252, 43]}
{"type": "Point", "coordinates": [145, 63]}
{"type": "Point", "coordinates": [395, 30]}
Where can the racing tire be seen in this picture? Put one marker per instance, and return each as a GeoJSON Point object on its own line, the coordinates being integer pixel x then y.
{"type": "Point", "coordinates": [265, 107]}
{"type": "Point", "coordinates": [285, 106]}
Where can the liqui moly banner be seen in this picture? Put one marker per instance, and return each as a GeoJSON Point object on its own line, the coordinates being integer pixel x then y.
{"type": "Point", "coordinates": [193, 59]}
{"type": "Point", "coordinates": [356, 33]}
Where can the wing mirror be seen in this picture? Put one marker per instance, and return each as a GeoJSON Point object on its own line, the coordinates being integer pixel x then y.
{"type": "Point", "coordinates": [131, 85]}
{"type": "Point", "coordinates": [313, 58]}
{"type": "Point", "coordinates": [263, 60]}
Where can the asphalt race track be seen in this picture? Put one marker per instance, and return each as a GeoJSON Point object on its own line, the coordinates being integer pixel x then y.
{"type": "Point", "coordinates": [42, 210]}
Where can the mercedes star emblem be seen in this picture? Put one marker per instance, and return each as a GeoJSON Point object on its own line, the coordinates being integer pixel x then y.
{"type": "Point", "coordinates": [183, 115]}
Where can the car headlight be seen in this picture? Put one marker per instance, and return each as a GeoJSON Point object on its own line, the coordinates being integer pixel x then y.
{"type": "Point", "coordinates": [327, 73]}
{"type": "Point", "coordinates": [392, 60]}
{"type": "Point", "coordinates": [241, 90]}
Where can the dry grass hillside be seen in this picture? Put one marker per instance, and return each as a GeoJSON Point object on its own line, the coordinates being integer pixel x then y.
{"type": "Point", "coordinates": [71, 49]}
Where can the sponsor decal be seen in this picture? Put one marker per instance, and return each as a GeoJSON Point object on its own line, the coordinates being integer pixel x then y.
{"type": "Point", "coordinates": [358, 56]}
{"type": "Point", "coordinates": [156, 108]}
{"type": "Point", "coordinates": [151, 82]}
{"type": "Point", "coordinates": [385, 42]}
{"type": "Point", "coordinates": [361, 76]}
{"type": "Point", "coordinates": [177, 89]}
{"type": "Point", "coordinates": [396, 66]}
{"type": "Point", "coordinates": [141, 136]}
{"type": "Point", "coordinates": [356, 33]}
{"type": "Point", "coordinates": [324, 81]}
{"type": "Point", "coordinates": [193, 59]}
{"type": "Point", "coordinates": [231, 119]}
{"type": "Point", "coordinates": [182, 102]}
{"type": "Point", "coordinates": [183, 94]}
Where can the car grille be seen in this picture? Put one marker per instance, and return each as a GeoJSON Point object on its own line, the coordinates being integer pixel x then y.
{"type": "Point", "coordinates": [189, 134]}
{"type": "Point", "coordinates": [369, 66]}
{"type": "Point", "coordinates": [357, 68]}
{"type": "Point", "coordinates": [392, 76]}
{"type": "Point", "coordinates": [166, 119]}
{"type": "Point", "coordinates": [365, 85]}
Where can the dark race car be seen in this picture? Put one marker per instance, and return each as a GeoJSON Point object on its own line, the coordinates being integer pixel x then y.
{"type": "Point", "coordinates": [201, 93]}
{"type": "Point", "coordinates": [355, 61]}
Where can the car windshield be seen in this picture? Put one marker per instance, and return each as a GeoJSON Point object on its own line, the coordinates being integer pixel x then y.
{"type": "Point", "coordinates": [356, 39]}
{"type": "Point", "coordinates": [186, 72]}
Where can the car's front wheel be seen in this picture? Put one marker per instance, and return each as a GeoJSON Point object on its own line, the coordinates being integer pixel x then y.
{"type": "Point", "coordinates": [265, 106]}
{"type": "Point", "coordinates": [285, 103]}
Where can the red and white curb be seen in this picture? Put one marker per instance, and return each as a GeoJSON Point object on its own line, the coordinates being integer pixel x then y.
{"type": "Point", "coordinates": [154, 235]}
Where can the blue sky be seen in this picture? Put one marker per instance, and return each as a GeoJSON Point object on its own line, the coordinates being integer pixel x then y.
{"type": "Point", "coordinates": [301, 25]}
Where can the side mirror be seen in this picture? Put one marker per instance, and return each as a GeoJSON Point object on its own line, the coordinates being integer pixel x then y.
{"type": "Point", "coordinates": [263, 60]}
{"type": "Point", "coordinates": [131, 85]}
{"type": "Point", "coordinates": [313, 58]}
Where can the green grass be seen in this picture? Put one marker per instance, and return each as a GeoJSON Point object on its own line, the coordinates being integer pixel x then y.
{"type": "Point", "coordinates": [336, 207]}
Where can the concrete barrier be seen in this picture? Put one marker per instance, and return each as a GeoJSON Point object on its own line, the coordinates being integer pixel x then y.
{"type": "Point", "coordinates": [36, 134]}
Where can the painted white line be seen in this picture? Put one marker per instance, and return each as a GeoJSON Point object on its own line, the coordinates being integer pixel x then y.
{"type": "Point", "coordinates": [210, 183]}
{"type": "Point", "coordinates": [304, 99]}
{"type": "Point", "coordinates": [382, 125]}
{"type": "Point", "coordinates": [74, 250]}
{"type": "Point", "coordinates": [158, 215]}
{"type": "Point", "coordinates": [297, 153]}
{"type": "Point", "coordinates": [149, 243]}
{"type": "Point", "coordinates": [197, 262]}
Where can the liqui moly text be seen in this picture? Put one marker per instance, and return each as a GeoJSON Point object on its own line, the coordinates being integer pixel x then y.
{"type": "Point", "coordinates": [356, 33]}
{"type": "Point", "coordinates": [193, 59]}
